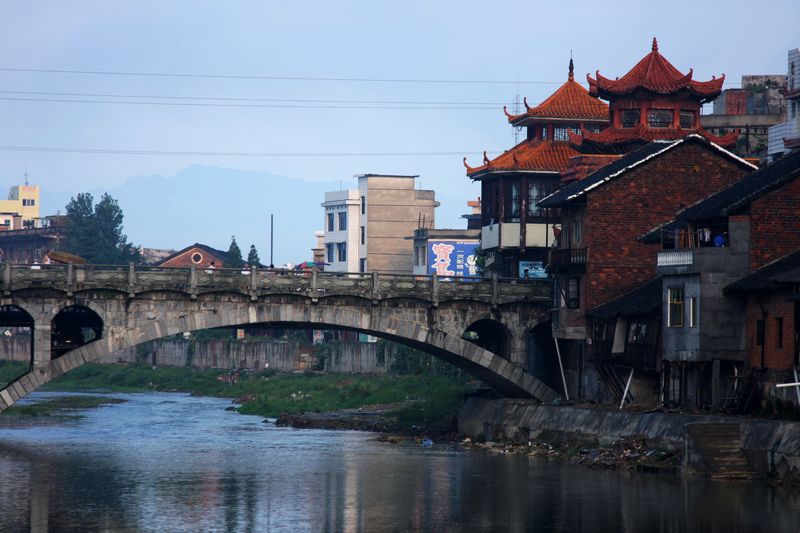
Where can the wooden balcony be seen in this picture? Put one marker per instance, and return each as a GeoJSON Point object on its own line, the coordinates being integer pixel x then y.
{"type": "Point", "coordinates": [567, 257]}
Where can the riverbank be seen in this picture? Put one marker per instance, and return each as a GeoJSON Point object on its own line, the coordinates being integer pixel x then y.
{"type": "Point", "coordinates": [418, 403]}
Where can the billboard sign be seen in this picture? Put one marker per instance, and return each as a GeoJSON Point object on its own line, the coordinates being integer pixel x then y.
{"type": "Point", "coordinates": [453, 258]}
{"type": "Point", "coordinates": [532, 270]}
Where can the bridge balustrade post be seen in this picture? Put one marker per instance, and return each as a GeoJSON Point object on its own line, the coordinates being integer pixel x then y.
{"type": "Point", "coordinates": [375, 287]}
{"type": "Point", "coordinates": [435, 289]}
{"type": "Point", "coordinates": [253, 282]}
{"type": "Point", "coordinates": [314, 285]}
{"type": "Point", "coordinates": [70, 279]}
{"type": "Point", "coordinates": [7, 278]}
{"type": "Point", "coordinates": [193, 282]}
{"type": "Point", "coordinates": [131, 280]}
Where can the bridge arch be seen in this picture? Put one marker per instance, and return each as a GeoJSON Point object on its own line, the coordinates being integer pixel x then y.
{"type": "Point", "coordinates": [502, 375]}
{"type": "Point", "coordinates": [489, 334]}
{"type": "Point", "coordinates": [72, 327]}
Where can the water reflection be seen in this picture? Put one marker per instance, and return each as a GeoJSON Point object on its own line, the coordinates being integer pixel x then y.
{"type": "Point", "coordinates": [170, 462]}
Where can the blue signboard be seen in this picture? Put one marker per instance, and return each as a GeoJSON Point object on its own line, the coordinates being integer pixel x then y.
{"type": "Point", "coordinates": [453, 258]}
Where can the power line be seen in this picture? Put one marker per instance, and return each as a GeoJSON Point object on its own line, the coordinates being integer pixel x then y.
{"type": "Point", "coordinates": [271, 78]}
{"type": "Point", "coordinates": [240, 99]}
{"type": "Point", "coordinates": [269, 106]}
{"type": "Point", "coordinates": [117, 151]}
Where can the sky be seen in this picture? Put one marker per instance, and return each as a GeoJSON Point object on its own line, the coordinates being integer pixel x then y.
{"type": "Point", "coordinates": [320, 91]}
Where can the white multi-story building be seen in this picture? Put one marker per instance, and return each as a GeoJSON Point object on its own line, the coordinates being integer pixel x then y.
{"type": "Point", "coordinates": [784, 138]}
{"type": "Point", "coordinates": [342, 222]}
{"type": "Point", "coordinates": [366, 228]}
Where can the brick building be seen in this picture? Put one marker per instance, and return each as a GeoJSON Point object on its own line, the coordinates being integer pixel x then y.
{"type": "Point", "coordinates": [717, 329]}
{"type": "Point", "coordinates": [197, 255]}
{"type": "Point", "coordinates": [599, 256]}
{"type": "Point", "coordinates": [515, 231]}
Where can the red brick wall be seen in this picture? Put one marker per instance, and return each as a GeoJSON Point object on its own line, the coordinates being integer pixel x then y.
{"type": "Point", "coordinates": [777, 305]}
{"type": "Point", "coordinates": [736, 102]}
{"type": "Point", "coordinates": [775, 225]}
{"type": "Point", "coordinates": [628, 206]}
{"type": "Point", "coordinates": [184, 260]}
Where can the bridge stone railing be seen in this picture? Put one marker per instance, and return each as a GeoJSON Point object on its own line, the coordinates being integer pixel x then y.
{"type": "Point", "coordinates": [259, 282]}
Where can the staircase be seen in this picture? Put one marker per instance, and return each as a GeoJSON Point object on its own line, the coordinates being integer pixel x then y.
{"type": "Point", "coordinates": [715, 449]}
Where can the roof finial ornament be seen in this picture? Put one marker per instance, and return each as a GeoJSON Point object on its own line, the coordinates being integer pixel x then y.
{"type": "Point", "coordinates": [571, 67]}
{"type": "Point", "coordinates": [485, 158]}
{"type": "Point", "coordinates": [655, 45]}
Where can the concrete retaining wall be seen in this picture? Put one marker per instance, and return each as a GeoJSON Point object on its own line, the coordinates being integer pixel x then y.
{"type": "Point", "coordinates": [771, 446]}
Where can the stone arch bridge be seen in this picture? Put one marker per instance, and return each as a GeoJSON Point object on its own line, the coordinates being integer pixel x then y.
{"type": "Point", "coordinates": [81, 313]}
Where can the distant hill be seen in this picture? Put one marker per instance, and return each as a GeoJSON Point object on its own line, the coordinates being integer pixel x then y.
{"type": "Point", "coordinates": [209, 204]}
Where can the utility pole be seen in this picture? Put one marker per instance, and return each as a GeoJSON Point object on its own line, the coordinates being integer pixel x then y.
{"type": "Point", "coordinates": [271, 237]}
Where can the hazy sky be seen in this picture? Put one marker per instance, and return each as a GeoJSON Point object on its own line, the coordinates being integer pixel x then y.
{"type": "Point", "coordinates": [457, 42]}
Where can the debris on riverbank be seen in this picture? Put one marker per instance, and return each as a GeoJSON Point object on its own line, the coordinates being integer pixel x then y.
{"type": "Point", "coordinates": [631, 453]}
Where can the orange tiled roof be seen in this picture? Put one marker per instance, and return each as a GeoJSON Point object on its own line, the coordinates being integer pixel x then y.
{"type": "Point", "coordinates": [570, 101]}
{"type": "Point", "coordinates": [531, 155]}
{"type": "Point", "coordinates": [643, 133]}
{"type": "Point", "coordinates": [655, 74]}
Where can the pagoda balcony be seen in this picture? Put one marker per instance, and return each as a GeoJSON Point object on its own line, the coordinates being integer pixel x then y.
{"type": "Point", "coordinates": [698, 260]}
{"type": "Point", "coordinates": [509, 235]}
{"type": "Point", "coordinates": [567, 257]}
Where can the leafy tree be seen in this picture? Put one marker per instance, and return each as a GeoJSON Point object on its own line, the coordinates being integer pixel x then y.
{"type": "Point", "coordinates": [234, 255]}
{"type": "Point", "coordinates": [252, 257]}
{"type": "Point", "coordinates": [94, 232]}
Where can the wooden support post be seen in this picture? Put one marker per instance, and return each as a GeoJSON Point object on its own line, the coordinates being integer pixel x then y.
{"type": "Point", "coordinates": [561, 367]}
{"type": "Point", "coordinates": [625, 392]}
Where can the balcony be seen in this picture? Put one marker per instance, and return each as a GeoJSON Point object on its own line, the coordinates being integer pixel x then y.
{"type": "Point", "coordinates": [567, 257]}
{"type": "Point", "coordinates": [675, 258]}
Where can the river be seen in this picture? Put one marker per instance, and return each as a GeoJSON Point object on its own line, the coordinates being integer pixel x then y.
{"type": "Point", "coordinates": [172, 462]}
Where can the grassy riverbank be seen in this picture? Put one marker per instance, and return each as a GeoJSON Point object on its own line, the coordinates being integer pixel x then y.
{"type": "Point", "coordinates": [426, 400]}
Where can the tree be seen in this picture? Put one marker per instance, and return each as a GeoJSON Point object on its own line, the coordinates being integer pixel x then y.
{"type": "Point", "coordinates": [94, 232]}
{"type": "Point", "coordinates": [234, 259]}
{"type": "Point", "coordinates": [252, 257]}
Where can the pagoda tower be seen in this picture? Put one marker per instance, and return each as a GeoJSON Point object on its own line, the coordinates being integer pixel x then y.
{"type": "Point", "coordinates": [515, 231]}
{"type": "Point", "coordinates": [653, 101]}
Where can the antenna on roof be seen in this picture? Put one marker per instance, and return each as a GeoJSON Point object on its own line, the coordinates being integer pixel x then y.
{"type": "Point", "coordinates": [26, 173]}
{"type": "Point", "coordinates": [517, 129]}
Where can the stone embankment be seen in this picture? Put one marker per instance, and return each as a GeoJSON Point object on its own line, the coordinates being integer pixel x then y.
{"type": "Point", "coordinates": [719, 446]}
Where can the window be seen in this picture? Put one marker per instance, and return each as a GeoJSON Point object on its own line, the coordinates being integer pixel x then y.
{"type": "Point", "coordinates": [363, 234]}
{"type": "Point", "coordinates": [687, 120]}
{"type": "Point", "coordinates": [28, 202]}
{"type": "Point", "coordinates": [759, 333]}
{"type": "Point", "coordinates": [341, 248]}
{"type": "Point", "coordinates": [342, 220]}
{"type": "Point", "coordinates": [577, 230]}
{"type": "Point", "coordinates": [363, 205]}
{"type": "Point", "coordinates": [419, 256]}
{"type": "Point", "coordinates": [575, 128]}
{"type": "Point", "coordinates": [544, 133]}
{"type": "Point", "coordinates": [330, 221]}
{"type": "Point", "coordinates": [329, 252]}
{"type": "Point", "coordinates": [27, 224]}
{"type": "Point", "coordinates": [675, 308]}
{"type": "Point", "coordinates": [693, 316]}
{"type": "Point", "coordinates": [629, 118]}
{"type": "Point", "coordinates": [514, 208]}
{"type": "Point", "coordinates": [637, 332]}
{"type": "Point", "coordinates": [779, 333]}
{"type": "Point", "coordinates": [536, 192]}
{"type": "Point", "coordinates": [574, 293]}
{"type": "Point", "coordinates": [659, 118]}
{"type": "Point", "coordinates": [560, 134]}
{"type": "Point", "coordinates": [197, 258]}
{"type": "Point", "coordinates": [593, 128]}
{"type": "Point", "coordinates": [362, 264]}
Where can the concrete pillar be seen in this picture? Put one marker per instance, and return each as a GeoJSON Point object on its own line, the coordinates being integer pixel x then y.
{"type": "Point", "coordinates": [41, 343]}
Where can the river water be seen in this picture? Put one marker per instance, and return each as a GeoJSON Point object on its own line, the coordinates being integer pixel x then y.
{"type": "Point", "coordinates": [171, 462]}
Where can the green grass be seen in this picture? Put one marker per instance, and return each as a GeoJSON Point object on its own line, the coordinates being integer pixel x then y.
{"type": "Point", "coordinates": [10, 370]}
{"type": "Point", "coordinates": [56, 406]}
{"type": "Point", "coordinates": [436, 398]}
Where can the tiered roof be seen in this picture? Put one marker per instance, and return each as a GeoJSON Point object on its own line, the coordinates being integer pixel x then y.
{"type": "Point", "coordinates": [615, 136]}
{"type": "Point", "coordinates": [530, 156]}
{"type": "Point", "coordinates": [656, 75]}
{"type": "Point", "coordinates": [570, 102]}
